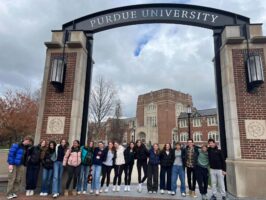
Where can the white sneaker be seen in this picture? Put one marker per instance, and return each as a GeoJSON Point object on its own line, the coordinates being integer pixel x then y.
{"type": "Point", "coordinates": [118, 188]}
{"type": "Point", "coordinates": [84, 192]}
{"type": "Point", "coordinates": [27, 193]}
{"type": "Point", "coordinates": [172, 193]}
{"type": "Point", "coordinates": [97, 192]}
{"type": "Point", "coordinates": [55, 195]}
{"type": "Point", "coordinates": [114, 188]}
{"type": "Point", "coordinates": [79, 192]}
{"type": "Point", "coordinates": [125, 189]}
{"type": "Point", "coordinates": [169, 192]}
{"type": "Point", "coordinates": [101, 190]}
{"type": "Point", "coordinates": [150, 192]}
{"type": "Point", "coordinates": [154, 192]}
{"type": "Point", "coordinates": [128, 188]}
{"type": "Point", "coordinates": [14, 195]}
{"type": "Point", "coordinates": [91, 192]}
{"type": "Point", "coordinates": [162, 191]}
{"type": "Point", "coordinates": [183, 194]}
{"type": "Point", "coordinates": [31, 192]}
{"type": "Point", "coordinates": [140, 188]}
{"type": "Point", "coordinates": [41, 194]}
{"type": "Point", "coordinates": [106, 189]}
{"type": "Point", "coordinates": [10, 196]}
{"type": "Point", "coordinates": [45, 194]}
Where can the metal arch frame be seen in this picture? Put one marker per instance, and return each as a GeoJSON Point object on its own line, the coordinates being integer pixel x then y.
{"type": "Point", "coordinates": [227, 19]}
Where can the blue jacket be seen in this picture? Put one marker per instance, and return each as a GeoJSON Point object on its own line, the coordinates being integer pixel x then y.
{"type": "Point", "coordinates": [98, 156]}
{"type": "Point", "coordinates": [154, 158]}
{"type": "Point", "coordinates": [16, 154]}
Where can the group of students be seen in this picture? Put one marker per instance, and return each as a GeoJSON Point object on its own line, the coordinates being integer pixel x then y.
{"type": "Point", "coordinates": [89, 164]}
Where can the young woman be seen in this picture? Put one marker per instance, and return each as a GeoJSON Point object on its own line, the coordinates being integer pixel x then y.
{"type": "Point", "coordinates": [166, 161]}
{"type": "Point", "coordinates": [154, 161]}
{"type": "Point", "coordinates": [98, 158]}
{"type": "Point", "coordinates": [72, 160]}
{"type": "Point", "coordinates": [141, 156]}
{"type": "Point", "coordinates": [33, 159]}
{"type": "Point", "coordinates": [107, 165]}
{"type": "Point", "coordinates": [119, 162]}
{"type": "Point", "coordinates": [178, 170]}
{"type": "Point", "coordinates": [48, 163]}
{"type": "Point", "coordinates": [86, 164]}
{"type": "Point", "coordinates": [202, 172]}
{"type": "Point", "coordinates": [58, 168]}
{"type": "Point", "coordinates": [129, 155]}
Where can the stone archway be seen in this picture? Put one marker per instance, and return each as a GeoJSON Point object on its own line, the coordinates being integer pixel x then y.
{"type": "Point", "coordinates": [241, 113]}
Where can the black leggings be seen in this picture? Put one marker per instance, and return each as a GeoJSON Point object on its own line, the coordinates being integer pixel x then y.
{"type": "Point", "coordinates": [128, 172]}
{"type": "Point", "coordinates": [140, 164]}
{"type": "Point", "coordinates": [118, 174]}
{"type": "Point", "coordinates": [106, 171]}
{"type": "Point", "coordinates": [72, 171]}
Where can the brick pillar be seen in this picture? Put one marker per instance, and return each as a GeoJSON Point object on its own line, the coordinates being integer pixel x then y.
{"type": "Point", "coordinates": [244, 113]}
{"type": "Point", "coordinates": [60, 113]}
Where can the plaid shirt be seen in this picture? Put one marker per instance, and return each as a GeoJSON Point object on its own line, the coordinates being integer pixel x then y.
{"type": "Point", "coordinates": [190, 157]}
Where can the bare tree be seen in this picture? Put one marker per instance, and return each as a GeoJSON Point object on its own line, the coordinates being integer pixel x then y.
{"type": "Point", "coordinates": [118, 126]}
{"type": "Point", "coordinates": [102, 101]}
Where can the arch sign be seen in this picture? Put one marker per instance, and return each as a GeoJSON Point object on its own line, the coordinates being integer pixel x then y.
{"type": "Point", "coordinates": [156, 13]}
{"type": "Point", "coordinates": [242, 119]}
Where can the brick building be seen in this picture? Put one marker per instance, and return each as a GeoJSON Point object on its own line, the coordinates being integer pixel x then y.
{"type": "Point", "coordinates": [203, 126]}
{"type": "Point", "coordinates": [157, 115]}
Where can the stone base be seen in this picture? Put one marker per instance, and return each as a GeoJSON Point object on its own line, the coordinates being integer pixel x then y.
{"type": "Point", "coordinates": [246, 178]}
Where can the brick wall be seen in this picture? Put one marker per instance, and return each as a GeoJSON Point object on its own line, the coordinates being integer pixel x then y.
{"type": "Point", "coordinates": [60, 104]}
{"type": "Point", "coordinates": [249, 106]}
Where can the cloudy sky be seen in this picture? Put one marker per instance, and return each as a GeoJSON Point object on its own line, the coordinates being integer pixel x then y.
{"type": "Point", "coordinates": [138, 59]}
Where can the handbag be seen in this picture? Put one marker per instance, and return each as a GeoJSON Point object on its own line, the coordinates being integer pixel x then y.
{"type": "Point", "coordinates": [89, 181]}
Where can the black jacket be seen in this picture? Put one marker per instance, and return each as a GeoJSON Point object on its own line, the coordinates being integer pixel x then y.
{"type": "Point", "coordinates": [129, 156]}
{"type": "Point", "coordinates": [33, 156]}
{"type": "Point", "coordinates": [195, 155]}
{"type": "Point", "coordinates": [166, 160]}
{"type": "Point", "coordinates": [183, 156]}
{"type": "Point", "coordinates": [48, 162]}
{"type": "Point", "coordinates": [142, 153]}
{"type": "Point", "coordinates": [216, 159]}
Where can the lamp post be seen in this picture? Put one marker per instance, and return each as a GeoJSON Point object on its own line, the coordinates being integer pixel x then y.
{"type": "Point", "coordinates": [189, 114]}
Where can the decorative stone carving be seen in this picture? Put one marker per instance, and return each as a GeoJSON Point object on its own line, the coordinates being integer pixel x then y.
{"type": "Point", "coordinates": [255, 129]}
{"type": "Point", "coordinates": [55, 125]}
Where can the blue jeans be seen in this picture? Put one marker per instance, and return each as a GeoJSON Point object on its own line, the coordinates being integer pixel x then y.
{"type": "Point", "coordinates": [96, 173]}
{"type": "Point", "coordinates": [178, 171]}
{"type": "Point", "coordinates": [46, 180]}
{"type": "Point", "coordinates": [57, 177]}
{"type": "Point", "coordinates": [83, 178]}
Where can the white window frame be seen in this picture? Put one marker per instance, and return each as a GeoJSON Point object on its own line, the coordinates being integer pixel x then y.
{"type": "Point", "coordinates": [197, 136]}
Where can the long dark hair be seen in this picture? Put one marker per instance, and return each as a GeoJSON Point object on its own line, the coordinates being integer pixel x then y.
{"type": "Point", "coordinates": [164, 148]}
{"type": "Point", "coordinates": [49, 148]}
{"type": "Point", "coordinates": [72, 148]}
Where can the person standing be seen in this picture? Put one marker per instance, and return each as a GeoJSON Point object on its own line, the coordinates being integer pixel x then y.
{"type": "Point", "coordinates": [154, 161]}
{"type": "Point", "coordinates": [119, 162]}
{"type": "Point", "coordinates": [178, 170]}
{"type": "Point", "coordinates": [191, 156]}
{"type": "Point", "coordinates": [15, 160]}
{"type": "Point", "coordinates": [141, 155]}
{"type": "Point", "coordinates": [166, 161]}
{"type": "Point", "coordinates": [58, 168]}
{"type": "Point", "coordinates": [86, 164]}
{"type": "Point", "coordinates": [129, 155]}
{"type": "Point", "coordinates": [202, 172]}
{"type": "Point", "coordinates": [33, 160]}
{"type": "Point", "coordinates": [108, 165]}
{"type": "Point", "coordinates": [47, 172]}
{"type": "Point", "coordinates": [98, 158]}
{"type": "Point", "coordinates": [72, 160]}
{"type": "Point", "coordinates": [217, 169]}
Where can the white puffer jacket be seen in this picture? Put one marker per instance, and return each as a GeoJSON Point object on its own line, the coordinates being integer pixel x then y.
{"type": "Point", "coordinates": [120, 159]}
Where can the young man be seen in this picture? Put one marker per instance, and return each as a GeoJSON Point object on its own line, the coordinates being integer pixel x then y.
{"type": "Point", "coordinates": [191, 156]}
{"type": "Point", "coordinates": [217, 169]}
{"type": "Point", "coordinates": [16, 159]}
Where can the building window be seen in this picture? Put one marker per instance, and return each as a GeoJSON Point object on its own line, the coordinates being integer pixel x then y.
{"type": "Point", "coordinates": [197, 122]}
{"type": "Point", "coordinates": [142, 137]}
{"type": "Point", "coordinates": [212, 121]}
{"type": "Point", "coordinates": [151, 121]}
{"type": "Point", "coordinates": [197, 137]}
{"type": "Point", "coordinates": [213, 135]}
{"type": "Point", "coordinates": [151, 107]}
{"type": "Point", "coordinates": [183, 123]}
{"type": "Point", "coordinates": [183, 137]}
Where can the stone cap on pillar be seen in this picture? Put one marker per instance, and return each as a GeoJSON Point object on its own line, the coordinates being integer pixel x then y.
{"type": "Point", "coordinates": [77, 39]}
{"type": "Point", "coordinates": [256, 33]}
{"type": "Point", "coordinates": [231, 35]}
